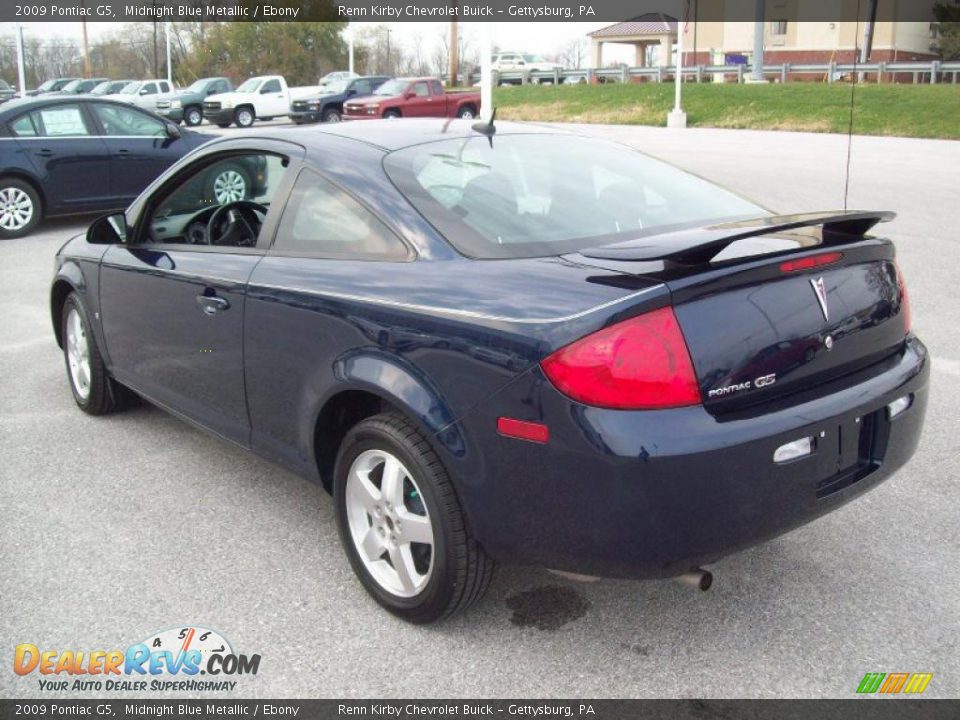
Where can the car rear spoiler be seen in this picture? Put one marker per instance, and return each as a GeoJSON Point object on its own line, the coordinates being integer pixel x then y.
{"type": "Point", "coordinates": [694, 246]}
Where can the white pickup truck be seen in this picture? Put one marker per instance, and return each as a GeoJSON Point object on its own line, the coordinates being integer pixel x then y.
{"type": "Point", "coordinates": [264, 97]}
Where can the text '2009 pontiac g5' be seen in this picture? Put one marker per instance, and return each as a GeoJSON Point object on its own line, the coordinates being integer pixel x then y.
{"type": "Point", "coordinates": [527, 347]}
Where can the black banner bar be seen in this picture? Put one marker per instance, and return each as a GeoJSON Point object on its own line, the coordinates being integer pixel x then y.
{"type": "Point", "coordinates": [445, 10]}
{"type": "Point", "coordinates": [855, 709]}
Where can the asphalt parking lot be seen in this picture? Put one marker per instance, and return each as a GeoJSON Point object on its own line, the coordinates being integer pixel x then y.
{"type": "Point", "coordinates": [113, 528]}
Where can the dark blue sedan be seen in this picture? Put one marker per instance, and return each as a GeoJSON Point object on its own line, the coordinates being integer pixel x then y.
{"type": "Point", "coordinates": [525, 346]}
{"type": "Point", "coordinates": [61, 155]}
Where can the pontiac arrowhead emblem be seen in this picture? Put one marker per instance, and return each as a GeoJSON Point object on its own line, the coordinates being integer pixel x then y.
{"type": "Point", "coordinates": [821, 292]}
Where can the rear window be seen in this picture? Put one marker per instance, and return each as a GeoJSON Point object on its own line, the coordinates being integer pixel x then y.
{"type": "Point", "coordinates": [543, 195]}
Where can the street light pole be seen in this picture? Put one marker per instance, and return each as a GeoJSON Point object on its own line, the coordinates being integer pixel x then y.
{"type": "Point", "coordinates": [350, 47]}
{"type": "Point", "coordinates": [169, 66]}
{"type": "Point", "coordinates": [756, 72]}
{"type": "Point", "coordinates": [21, 71]}
{"type": "Point", "coordinates": [677, 117]}
{"type": "Point", "coordinates": [486, 71]}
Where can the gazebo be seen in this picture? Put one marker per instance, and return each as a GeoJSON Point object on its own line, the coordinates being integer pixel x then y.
{"type": "Point", "coordinates": [641, 32]}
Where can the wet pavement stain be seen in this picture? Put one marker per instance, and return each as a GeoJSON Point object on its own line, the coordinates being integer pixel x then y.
{"type": "Point", "coordinates": [547, 608]}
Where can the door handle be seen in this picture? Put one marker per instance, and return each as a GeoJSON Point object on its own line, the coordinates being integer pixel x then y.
{"type": "Point", "coordinates": [46, 152]}
{"type": "Point", "coordinates": [123, 151]}
{"type": "Point", "coordinates": [211, 304]}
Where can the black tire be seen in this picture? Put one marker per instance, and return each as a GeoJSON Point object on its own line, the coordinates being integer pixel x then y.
{"type": "Point", "coordinates": [16, 198]}
{"type": "Point", "coordinates": [391, 114]}
{"type": "Point", "coordinates": [244, 117]}
{"type": "Point", "coordinates": [104, 394]}
{"type": "Point", "coordinates": [223, 125]}
{"type": "Point", "coordinates": [225, 169]}
{"type": "Point", "coordinates": [461, 570]}
{"type": "Point", "coordinates": [193, 115]}
{"type": "Point", "coordinates": [466, 111]}
{"type": "Point", "coordinates": [332, 115]}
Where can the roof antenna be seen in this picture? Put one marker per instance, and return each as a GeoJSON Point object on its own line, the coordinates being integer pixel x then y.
{"type": "Point", "coordinates": [853, 90]}
{"type": "Point", "coordinates": [487, 128]}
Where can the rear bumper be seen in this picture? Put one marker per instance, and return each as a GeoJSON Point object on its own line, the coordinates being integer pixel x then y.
{"type": "Point", "coordinates": [652, 494]}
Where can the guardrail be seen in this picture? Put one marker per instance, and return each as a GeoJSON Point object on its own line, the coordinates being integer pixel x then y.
{"type": "Point", "coordinates": [931, 72]}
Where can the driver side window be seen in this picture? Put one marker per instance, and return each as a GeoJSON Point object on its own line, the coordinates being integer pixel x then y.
{"type": "Point", "coordinates": [223, 203]}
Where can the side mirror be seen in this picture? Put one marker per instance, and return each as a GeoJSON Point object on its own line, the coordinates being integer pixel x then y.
{"type": "Point", "coordinates": [173, 132]}
{"type": "Point", "coordinates": [108, 230]}
{"type": "Point", "coordinates": [351, 92]}
{"type": "Point", "coordinates": [521, 62]}
{"type": "Point", "coordinates": [144, 91]}
{"type": "Point", "coordinates": [409, 94]}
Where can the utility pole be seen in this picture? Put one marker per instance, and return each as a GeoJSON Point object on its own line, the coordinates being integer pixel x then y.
{"type": "Point", "coordinates": [454, 50]}
{"type": "Point", "coordinates": [756, 72]}
{"type": "Point", "coordinates": [486, 71]}
{"type": "Point", "coordinates": [389, 69]}
{"type": "Point", "coordinates": [350, 47]}
{"type": "Point", "coordinates": [156, 62]}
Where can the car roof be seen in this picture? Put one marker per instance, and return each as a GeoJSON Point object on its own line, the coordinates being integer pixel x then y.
{"type": "Point", "coordinates": [395, 134]}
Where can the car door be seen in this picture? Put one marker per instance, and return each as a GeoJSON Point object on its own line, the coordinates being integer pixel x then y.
{"type": "Point", "coordinates": [273, 100]}
{"type": "Point", "coordinates": [421, 104]}
{"type": "Point", "coordinates": [139, 145]}
{"type": "Point", "coordinates": [146, 96]}
{"type": "Point", "coordinates": [71, 160]}
{"type": "Point", "coordinates": [172, 308]}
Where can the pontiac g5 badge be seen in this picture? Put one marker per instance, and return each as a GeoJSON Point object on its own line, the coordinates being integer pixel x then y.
{"type": "Point", "coordinates": [821, 292]}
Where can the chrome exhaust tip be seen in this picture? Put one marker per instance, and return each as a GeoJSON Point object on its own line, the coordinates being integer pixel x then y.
{"type": "Point", "coordinates": [697, 578]}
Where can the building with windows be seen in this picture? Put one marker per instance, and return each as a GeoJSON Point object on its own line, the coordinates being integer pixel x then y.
{"type": "Point", "coordinates": [655, 34]}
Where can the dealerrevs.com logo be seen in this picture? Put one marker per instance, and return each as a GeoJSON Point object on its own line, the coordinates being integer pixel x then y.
{"type": "Point", "coordinates": [170, 660]}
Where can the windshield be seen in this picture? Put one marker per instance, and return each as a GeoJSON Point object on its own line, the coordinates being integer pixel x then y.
{"type": "Point", "coordinates": [131, 89]}
{"type": "Point", "coordinates": [391, 87]}
{"type": "Point", "coordinates": [334, 87]}
{"type": "Point", "coordinates": [534, 58]}
{"type": "Point", "coordinates": [48, 85]}
{"type": "Point", "coordinates": [250, 85]}
{"type": "Point", "coordinates": [72, 85]}
{"type": "Point", "coordinates": [101, 89]}
{"type": "Point", "coordinates": [543, 195]}
{"type": "Point", "coordinates": [198, 86]}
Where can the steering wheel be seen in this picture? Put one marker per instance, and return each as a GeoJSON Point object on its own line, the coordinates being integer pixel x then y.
{"type": "Point", "coordinates": [236, 224]}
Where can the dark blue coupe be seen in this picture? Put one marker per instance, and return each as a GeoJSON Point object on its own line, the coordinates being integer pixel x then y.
{"type": "Point", "coordinates": [521, 346]}
{"type": "Point", "coordinates": [61, 155]}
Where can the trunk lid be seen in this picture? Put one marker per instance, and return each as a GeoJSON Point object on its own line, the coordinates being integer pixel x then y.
{"type": "Point", "coordinates": [775, 308]}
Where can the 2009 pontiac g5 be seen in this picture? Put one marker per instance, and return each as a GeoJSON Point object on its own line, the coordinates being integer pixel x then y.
{"type": "Point", "coordinates": [528, 347]}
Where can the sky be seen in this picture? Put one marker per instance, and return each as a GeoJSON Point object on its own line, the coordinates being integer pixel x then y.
{"type": "Point", "coordinates": [534, 37]}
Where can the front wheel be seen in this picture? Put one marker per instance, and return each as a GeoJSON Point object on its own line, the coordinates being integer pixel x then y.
{"type": "Point", "coordinates": [19, 208]}
{"type": "Point", "coordinates": [391, 114]}
{"type": "Point", "coordinates": [244, 117]}
{"type": "Point", "coordinates": [331, 116]}
{"type": "Point", "coordinates": [401, 523]}
{"type": "Point", "coordinates": [193, 116]}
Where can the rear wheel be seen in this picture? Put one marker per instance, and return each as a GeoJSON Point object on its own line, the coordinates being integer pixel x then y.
{"type": "Point", "coordinates": [401, 523]}
{"type": "Point", "coordinates": [244, 117]}
{"type": "Point", "coordinates": [466, 113]}
{"type": "Point", "coordinates": [93, 389]}
{"type": "Point", "coordinates": [193, 116]}
{"type": "Point", "coordinates": [19, 208]}
{"type": "Point", "coordinates": [331, 116]}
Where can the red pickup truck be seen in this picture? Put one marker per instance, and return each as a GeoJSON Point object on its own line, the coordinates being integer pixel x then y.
{"type": "Point", "coordinates": [412, 97]}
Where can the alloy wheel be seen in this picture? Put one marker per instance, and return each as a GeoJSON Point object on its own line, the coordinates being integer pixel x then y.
{"type": "Point", "coordinates": [229, 186]}
{"type": "Point", "coordinates": [78, 354]}
{"type": "Point", "coordinates": [389, 523]}
{"type": "Point", "coordinates": [194, 117]}
{"type": "Point", "coordinates": [16, 208]}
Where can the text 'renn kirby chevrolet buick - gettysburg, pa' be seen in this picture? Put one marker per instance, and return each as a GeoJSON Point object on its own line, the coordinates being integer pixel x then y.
{"type": "Point", "coordinates": [504, 344]}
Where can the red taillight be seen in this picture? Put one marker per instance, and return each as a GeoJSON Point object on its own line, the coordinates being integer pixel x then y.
{"type": "Point", "coordinates": [811, 261]}
{"type": "Point", "coordinates": [638, 364]}
{"type": "Point", "coordinates": [904, 301]}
